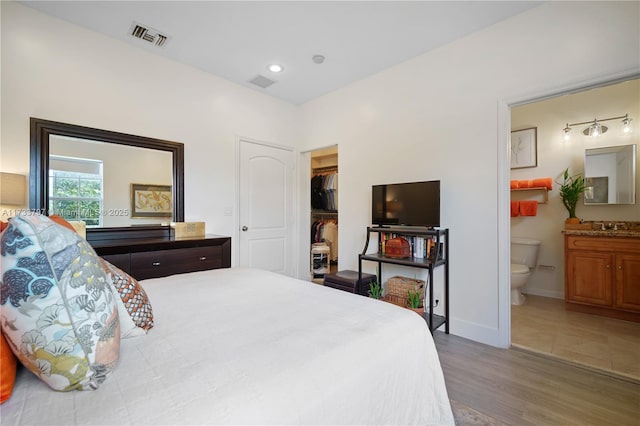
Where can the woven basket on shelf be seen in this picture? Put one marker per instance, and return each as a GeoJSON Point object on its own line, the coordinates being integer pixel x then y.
{"type": "Point", "coordinates": [402, 301]}
{"type": "Point", "coordinates": [400, 286]}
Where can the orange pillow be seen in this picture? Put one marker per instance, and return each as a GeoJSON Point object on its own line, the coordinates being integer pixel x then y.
{"type": "Point", "coordinates": [62, 221]}
{"type": "Point", "coordinates": [8, 365]}
{"type": "Point", "coordinates": [3, 225]}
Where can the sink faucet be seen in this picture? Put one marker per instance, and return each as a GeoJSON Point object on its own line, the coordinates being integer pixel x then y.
{"type": "Point", "coordinates": [619, 225]}
{"type": "Point", "coordinates": [602, 227]}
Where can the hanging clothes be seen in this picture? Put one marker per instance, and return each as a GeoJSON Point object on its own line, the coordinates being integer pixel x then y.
{"type": "Point", "coordinates": [326, 231]}
{"type": "Point", "coordinates": [324, 191]}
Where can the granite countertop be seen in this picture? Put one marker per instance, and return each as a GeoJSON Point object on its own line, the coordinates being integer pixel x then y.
{"type": "Point", "coordinates": [594, 229]}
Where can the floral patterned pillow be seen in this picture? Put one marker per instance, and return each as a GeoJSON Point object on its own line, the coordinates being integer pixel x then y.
{"type": "Point", "coordinates": [58, 310]}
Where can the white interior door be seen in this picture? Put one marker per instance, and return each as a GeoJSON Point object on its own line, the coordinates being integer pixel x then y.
{"type": "Point", "coordinates": [266, 207]}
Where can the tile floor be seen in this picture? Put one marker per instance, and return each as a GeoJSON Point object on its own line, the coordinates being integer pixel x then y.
{"type": "Point", "coordinates": [543, 325]}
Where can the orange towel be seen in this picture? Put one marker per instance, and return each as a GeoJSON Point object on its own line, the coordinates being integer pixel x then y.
{"type": "Point", "coordinates": [514, 184]}
{"type": "Point", "coordinates": [543, 183]}
{"type": "Point", "coordinates": [515, 208]}
{"type": "Point", "coordinates": [528, 208]}
{"type": "Point", "coordinates": [525, 183]}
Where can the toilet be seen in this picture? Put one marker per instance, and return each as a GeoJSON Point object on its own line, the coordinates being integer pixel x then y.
{"type": "Point", "coordinates": [524, 257]}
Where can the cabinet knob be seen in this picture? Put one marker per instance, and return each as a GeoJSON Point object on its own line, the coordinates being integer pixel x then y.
{"type": "Point", "coordinates": [608, 266]}
{"type": "Point", "coordinates": [155, 263]}
{"type": "Point", "coordinates": [619, 267]}
{"type": "Point", "coordinates": [203, 257]}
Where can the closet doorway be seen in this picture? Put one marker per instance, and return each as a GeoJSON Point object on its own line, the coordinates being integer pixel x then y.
{"type": "Point", "coordinates": [323, 232]}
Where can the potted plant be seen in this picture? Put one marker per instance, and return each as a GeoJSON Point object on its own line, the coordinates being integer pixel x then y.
{"type": "Point", "coordinates": [571, 189]}
{"type": "Point", "coordinates": [415, 302]}
{"type": "Point", "coordinates": [375, 289]}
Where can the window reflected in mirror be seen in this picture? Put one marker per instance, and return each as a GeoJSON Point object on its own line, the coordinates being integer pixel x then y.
{"type": "Point", "coordinates": [610, 175]}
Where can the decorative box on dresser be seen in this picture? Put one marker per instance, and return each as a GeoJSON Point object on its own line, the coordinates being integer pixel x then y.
{"type": "Point", "coordinates": [602, 272]}
{"type": "Point", "coordinates": [157, 253]}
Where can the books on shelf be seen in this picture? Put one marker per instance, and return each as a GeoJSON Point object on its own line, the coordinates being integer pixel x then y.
{"type": "Point", "coordinates": [421, 247]}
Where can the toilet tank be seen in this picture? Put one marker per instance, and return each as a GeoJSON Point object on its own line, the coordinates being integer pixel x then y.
{"type": "Point", "coordinates": [524, 251]}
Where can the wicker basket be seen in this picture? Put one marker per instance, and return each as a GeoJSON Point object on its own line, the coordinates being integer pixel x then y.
{"type": "Point", "coordinates": [400, 286]}
{"type": "Point", "coordinates": [402, 301]}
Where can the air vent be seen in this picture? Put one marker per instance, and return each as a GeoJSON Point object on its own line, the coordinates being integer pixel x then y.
{"type": "Point", "coordinates": [148, 34]}
{"type": "Point", "coordinates": [261, 81]}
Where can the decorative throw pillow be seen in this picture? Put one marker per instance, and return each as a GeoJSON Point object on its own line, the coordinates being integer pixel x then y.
{"type": "Point", "coordinates": [62, 221]}
{"type": "Point", "coordinates": [8, 365]}
{"type": "Point", "coordinates": [58, 310]}
{"type": "Point", "coordinates": [133, 296]}
{"type": "Point", "coordinates": [3, 225]}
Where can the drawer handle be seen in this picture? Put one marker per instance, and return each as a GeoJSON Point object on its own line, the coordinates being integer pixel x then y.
{"type": "Point", "coordinates": [203, 257]}
{"type": "Point", "coordinates": [156, 263]}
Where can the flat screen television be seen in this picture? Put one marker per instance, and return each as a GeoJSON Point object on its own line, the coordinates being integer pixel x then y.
{"type": "Point", "coordinates": [406, 204]}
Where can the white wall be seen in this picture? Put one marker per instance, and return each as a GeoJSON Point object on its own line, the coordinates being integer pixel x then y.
{"type": "Point", "coordinates": [58, 71]}
{"type": "Point", "coordinates": [554, 155]}
{"type": "Point", "coordinates": [436, 117]}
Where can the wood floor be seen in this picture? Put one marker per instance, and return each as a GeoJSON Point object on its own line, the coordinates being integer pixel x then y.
{"type": "Point", "coordinates": [543, 325]}
{"type": "Point", "coordinates": [519, 388]}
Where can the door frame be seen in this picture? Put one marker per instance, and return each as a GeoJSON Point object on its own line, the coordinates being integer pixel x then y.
{"type": "Point", "coordinates": [504, 170]}
{"type": "Point", "coordinates": [235, 251]}
{"type": "Point", "coordinates": [304, 210]}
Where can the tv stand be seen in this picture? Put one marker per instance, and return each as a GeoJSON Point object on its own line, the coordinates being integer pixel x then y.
{"type": "Point", "coordinates": [439, 257]}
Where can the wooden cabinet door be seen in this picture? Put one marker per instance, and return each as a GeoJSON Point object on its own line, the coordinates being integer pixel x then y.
{"type": "Point", "coordinates": [628, 282]}
{"type": "Point", "coordinates": [590, 278]}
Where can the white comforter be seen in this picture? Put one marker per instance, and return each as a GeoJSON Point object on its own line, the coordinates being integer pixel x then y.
{"type": "Point", "coordinates": [243, 346]}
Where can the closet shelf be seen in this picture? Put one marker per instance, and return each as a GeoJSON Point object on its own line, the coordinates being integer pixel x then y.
{"type": "Point", "coordinates": [542, 189]}
{"type": "Point", "coordinates": [324, 212]}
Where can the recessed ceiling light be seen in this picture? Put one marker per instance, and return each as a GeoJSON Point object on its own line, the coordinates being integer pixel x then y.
{"type": "Point", "coordinates": [318, 59]}
{"type": "Point", "coordinates": [275, 68]}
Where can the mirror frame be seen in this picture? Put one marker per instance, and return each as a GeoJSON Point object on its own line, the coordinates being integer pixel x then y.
{"type": "Point", "coordinates": [39, 163]}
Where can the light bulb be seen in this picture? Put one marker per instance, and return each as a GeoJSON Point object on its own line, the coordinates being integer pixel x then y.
{"type": "Point", "coordinates": [595, 129]}
{"type": "Point", "coordinates": [567, 133]}
{"type": "Point", "coordinates": [626, 125]}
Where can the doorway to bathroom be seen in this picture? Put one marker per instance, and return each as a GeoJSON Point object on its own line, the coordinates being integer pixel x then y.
{"type": "Point", "coordinates": [541, 324]}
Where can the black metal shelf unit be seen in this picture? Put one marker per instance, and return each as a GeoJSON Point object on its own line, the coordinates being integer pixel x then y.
{"type": "Point", "coordinates": [438, 257]}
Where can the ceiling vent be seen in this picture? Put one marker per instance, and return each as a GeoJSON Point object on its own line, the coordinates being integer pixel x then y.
{"type": "Point", "coordinates": [148, 34]}
{"type": "Point", "coordinates": [261, 81]}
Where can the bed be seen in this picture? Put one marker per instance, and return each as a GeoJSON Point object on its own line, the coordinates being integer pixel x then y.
{"type": "Point", "coordinates": [246, 346]}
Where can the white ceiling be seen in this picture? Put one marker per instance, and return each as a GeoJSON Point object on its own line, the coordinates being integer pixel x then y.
{"type": "Point", "coordinates": [236, 40]}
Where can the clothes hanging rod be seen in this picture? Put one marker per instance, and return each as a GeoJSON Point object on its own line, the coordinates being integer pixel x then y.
{"type": "Point", "coordinates": [325, 169]}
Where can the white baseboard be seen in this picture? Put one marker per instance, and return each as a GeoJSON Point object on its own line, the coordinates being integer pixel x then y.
{"type": "Point", "coordinates": [476, 332]}
{"type": "Point", "coordinates": [545, 293]}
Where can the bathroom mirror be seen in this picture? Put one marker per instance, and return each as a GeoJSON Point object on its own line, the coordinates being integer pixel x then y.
{"type": "Point", "coordinates": [74, 161]}
{"type": "Point", "coordinates": [610, 175]}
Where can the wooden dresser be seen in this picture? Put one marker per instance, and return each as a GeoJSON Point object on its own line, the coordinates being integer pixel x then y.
{"type": "Point", "coordinates": [160, 256]}
{"type": "Point", "coordinates": [602, 274]}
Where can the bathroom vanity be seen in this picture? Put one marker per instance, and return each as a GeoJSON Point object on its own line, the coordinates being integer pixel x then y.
{"type": "Point", "coordinates": [602, 269]}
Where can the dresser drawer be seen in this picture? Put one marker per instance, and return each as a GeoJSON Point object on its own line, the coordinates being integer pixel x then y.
{"type": "Point", "coordinates": [160, 263]}
{"type": "Point", "coordinates": [122, 261]}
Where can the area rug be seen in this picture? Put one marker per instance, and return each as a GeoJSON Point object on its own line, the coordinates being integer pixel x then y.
{"type": "Point", "coordinates": [465, 415]}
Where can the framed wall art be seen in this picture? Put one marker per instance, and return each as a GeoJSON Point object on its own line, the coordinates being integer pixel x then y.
{"type": "Point", "coordinates": [524, 148]}
{"type": "Point", "coordinates": [151, 200]}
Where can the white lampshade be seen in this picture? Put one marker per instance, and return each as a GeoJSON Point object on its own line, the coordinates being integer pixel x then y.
{"type": "Point", "coordinates": [12, 189]}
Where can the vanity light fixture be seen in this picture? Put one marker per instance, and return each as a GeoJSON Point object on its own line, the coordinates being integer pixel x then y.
{"type": "Point", "coordinates": [626, 123]}
{"type": "Point", "coordinates": [275, 68]}
{"type": "Point", "coordinates": [596, 128]}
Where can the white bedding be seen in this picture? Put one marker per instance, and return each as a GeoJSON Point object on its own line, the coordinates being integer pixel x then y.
{"type": "Point", "coordinates": [244, 346]}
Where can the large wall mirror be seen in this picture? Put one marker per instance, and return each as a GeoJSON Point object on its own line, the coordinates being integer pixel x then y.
{"type": "Point", "coordinates": [610, 175]}
{"type": "Point", "coordinates": [108, 179]}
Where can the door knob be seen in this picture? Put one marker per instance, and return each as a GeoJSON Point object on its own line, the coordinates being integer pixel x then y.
{"type": "Point", "coordinates": [244, 228]}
